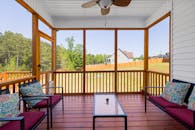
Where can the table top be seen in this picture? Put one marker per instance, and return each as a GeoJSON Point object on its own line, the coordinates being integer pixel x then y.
{"type": "Point", "coordinates": [107, 105]}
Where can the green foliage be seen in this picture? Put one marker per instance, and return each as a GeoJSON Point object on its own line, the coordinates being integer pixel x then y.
{"type": "Point", "coordinates": [15, 52]}
{"type": "Point", "coordinates": [45, 58]}
{"type": "Point", "coordinates": [96, 59]}
{"type": "Point", "coordinates": [141, 57]}
{"type": "Point", "coordinates": [70, 58]}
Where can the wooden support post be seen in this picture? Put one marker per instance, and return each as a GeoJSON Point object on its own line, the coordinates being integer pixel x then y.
{"type": "Point", "coordinates": [115, 57]}
{"type": "Point", "coordinates": [53, 55]}
{"type": "Point", "coordinates": [84, 59]}
{"type": "Point", "coordinates": [146, 34]}
{"type": "Point", "coordinates": [170, 46]}
{"type": "Point", "coordinates": [35, 47]}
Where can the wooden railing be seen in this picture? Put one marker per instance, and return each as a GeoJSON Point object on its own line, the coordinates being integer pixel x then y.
{"type": "Point", "coordinates": [156, 80]}
{"type": "Point", "coordinates": [11, 75]}
{"type": "Point", "coordinates": [100, 81]}
{"type": "Point", "coordinates": [13, 84]}
{"type": "Point", "coordinates": [130, 81]}
{"type": "Point", "coordinates": [127, 81]}
{"type": "Point", "coordinates": [71, 81]}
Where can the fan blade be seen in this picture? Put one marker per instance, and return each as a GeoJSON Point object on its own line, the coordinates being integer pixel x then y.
{"type": "Point", "coordinates": [121, 2]}
{"type": "Point", "coordinates": [89, 4]}
{"type": "Point", "coordinates": [105, 11]}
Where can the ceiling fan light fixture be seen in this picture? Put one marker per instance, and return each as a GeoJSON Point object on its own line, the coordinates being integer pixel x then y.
{"type": "Point", "coordinates": [105, 4]}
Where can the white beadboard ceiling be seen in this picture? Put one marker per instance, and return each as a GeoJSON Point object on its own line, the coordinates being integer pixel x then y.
{"type": "Point", "coordinates": [62, 12]}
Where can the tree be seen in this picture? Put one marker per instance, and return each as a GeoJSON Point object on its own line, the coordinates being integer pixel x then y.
{"type": "Point", "coordinates": [14, 47]}
{"type": "Point", "coordinates": [73, 55]}
{"type": "Point", "coordinates": [16, 53]}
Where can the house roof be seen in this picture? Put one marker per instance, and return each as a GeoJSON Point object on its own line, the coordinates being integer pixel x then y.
{"type": "Point", "coordinates": [129, 55]}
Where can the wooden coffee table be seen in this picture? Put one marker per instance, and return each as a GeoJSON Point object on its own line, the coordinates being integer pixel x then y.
{"type": "Point", "coordinates": [107, 105]}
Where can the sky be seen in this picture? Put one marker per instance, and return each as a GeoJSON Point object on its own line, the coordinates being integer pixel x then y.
{"type": "Point", "coordinates": [15, 18]}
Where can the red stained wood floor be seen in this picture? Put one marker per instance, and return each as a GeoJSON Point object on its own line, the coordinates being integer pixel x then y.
{"type": "Point", "coordinates": [78, 115]}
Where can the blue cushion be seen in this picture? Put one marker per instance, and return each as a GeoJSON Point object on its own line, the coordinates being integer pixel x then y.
{"type": "Point", "coordinates": [9, 106]}
{"type": "Point", "coordinates": [34, 89]}
{"type": "Point", "coordinates": [175, 92]}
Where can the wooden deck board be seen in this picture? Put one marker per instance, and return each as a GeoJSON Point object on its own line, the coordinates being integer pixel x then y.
{"type": "Point", "coordinates": [78, 111]}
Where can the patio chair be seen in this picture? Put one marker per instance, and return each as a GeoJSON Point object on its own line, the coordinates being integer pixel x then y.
{"type": "Point", "coordinates": [12, 119]}
{"type": "Point", "coordinates": [35, 89]}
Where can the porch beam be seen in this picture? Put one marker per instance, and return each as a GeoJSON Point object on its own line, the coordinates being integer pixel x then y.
{"type": "Point", "coordinates": [45, 36]}
{"type": "Point", "coordinates": [35, 47]}
{"type": "Point", "coordinates": [146, 40]}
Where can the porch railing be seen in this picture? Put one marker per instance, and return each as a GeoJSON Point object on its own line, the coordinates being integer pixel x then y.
{"type": "Point", "coordinates": [12, 75]}
{"type": "Point", "coordinates": [100, 81]}
{"type": "Point", "coordinates": [156, 80]}
{"type": "Point", "coordinates": [128, 81]}
{"type": "Point", "coordinates": [13, 85]}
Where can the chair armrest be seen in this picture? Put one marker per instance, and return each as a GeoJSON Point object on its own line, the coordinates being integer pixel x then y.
{"type": "Point", "coordinates": [146, 87]}
{"type": "Point", "coordinates": [38, 96]}
{"type": "Point", "coordinates": [34, 98]}
{"type": "Point", "coordinates": [53, 87]}
{"type": "Point", "coordinates": [61, 87]}
{"type": "Point", "coordinates": [19, 118]}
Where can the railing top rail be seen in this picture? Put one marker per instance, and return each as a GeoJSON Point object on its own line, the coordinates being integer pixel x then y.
{"type": "Point", "coordinates": [130, 70]}
{"type": "Point", "coordinates": [167, 74]}
{"type": "Point", "coordinates": [16, 81]}
{"type": "Point", "coordinates": [16, 72]}
{"type": "Point", "coordinates": [106, 71]}
{"type": "Point", "coordinates": [44, 72]}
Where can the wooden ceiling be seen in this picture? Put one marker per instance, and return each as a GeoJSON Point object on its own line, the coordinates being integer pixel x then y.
{"type": "Point", "coordinates": [70, 14]}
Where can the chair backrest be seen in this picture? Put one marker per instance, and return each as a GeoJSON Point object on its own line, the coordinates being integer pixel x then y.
{"type": "Point", "coordinates": [189, 91]}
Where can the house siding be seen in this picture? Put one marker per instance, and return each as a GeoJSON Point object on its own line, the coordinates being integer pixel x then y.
{"type": "Point", "coordinates": [183, 40]}
{"type": "Point", "coordinates": [182, 37]}
{"type": "Point", "coordinates": [121, 58]}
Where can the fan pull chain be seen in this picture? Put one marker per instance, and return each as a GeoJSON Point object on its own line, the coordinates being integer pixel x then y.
{"type": "Point", "coordinates": [105, 21]}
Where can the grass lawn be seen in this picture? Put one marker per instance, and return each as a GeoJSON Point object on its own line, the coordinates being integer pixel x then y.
{"type": "Point", "coordinates": [104, 81]}
{"type": "Point", "coordinates": [159, 67]}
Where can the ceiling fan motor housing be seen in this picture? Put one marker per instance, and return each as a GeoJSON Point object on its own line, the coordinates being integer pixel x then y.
{"type": "Point", "coordinates": [105, 4]}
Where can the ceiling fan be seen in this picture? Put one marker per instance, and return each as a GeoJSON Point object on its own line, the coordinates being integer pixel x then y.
{"type": "Point", "coordinates": [106, 4]}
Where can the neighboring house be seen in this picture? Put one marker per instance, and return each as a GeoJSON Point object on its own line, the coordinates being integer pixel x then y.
{"type": "Point", "coordinates": [123, 57]}
{"type": "Point", "coordinates": [166, 55]}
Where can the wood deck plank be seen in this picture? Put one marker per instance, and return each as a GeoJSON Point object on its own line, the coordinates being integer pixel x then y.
{"type": "Point", "coordinates": [78, 115]}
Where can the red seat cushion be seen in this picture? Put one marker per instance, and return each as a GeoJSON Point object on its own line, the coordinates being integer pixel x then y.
{"type": "Point", "coordinates": [42, 104]}
{"type": "Point", "coordinates": [184, 115]}
{"type": "Point", "coordinates": [30, 119]}
{"type": "Point", "coordinates": [164, 103]}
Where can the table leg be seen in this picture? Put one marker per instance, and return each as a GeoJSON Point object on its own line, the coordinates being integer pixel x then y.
{"type": "Point", "coordinates": [93, 123]}
{"type": "Point", "coordinates": [125, 123]}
